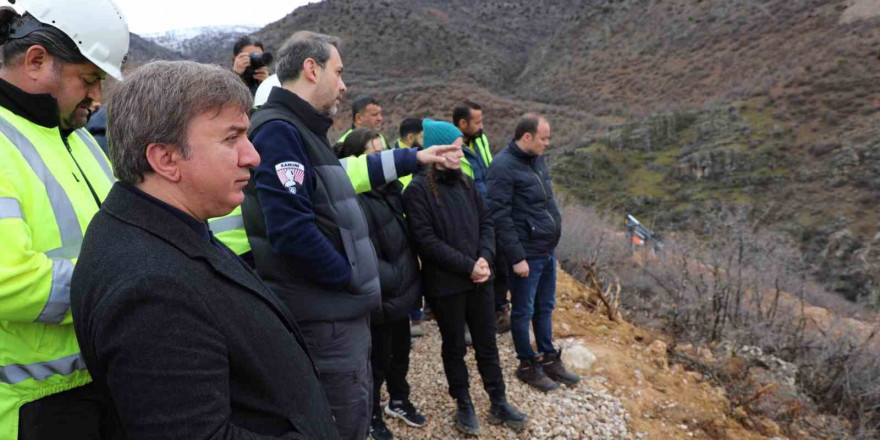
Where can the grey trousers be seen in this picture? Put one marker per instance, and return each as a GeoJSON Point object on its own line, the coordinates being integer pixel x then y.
{"type": "Point", "coordinates": [341, 350]}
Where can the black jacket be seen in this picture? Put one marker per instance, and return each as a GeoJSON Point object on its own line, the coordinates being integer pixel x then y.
{"type": "Point", "coordinates": [527, 220]}
{"type": "Point", "coordinates": [183, 337]}
{"type": "Point", "coordinates": [450, 235]}
{"type": "Point", "coordinates": [398, 264]}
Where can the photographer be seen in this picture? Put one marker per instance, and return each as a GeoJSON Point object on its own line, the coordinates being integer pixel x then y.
{"type": "Point", "coordinates": [250, 62]}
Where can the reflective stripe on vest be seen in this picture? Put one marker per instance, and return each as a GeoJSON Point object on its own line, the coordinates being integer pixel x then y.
{"type": "Point", "coordinates": [10, 208]}
{"type": "Point", "coordinates": [65, 215]}
{"type": "Point", "coordinates": [97, 152]}
{"type": "Point", "coordinates": [59, 295]}
{"type": "Point", "coordinates": [483, 150]}
{"type": "Point", "coordinates": [224, 224]}
{"type": "Point", "coordinates": [15, 373]}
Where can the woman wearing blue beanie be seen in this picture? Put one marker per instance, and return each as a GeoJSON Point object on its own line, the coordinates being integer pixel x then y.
{"type": "Point", "coordinates": [439, 133]}
{"type": "Point", "coordinates": [454, 237]}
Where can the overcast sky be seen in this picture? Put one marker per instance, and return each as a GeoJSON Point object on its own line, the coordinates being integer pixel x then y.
{"type": "Point", "coordinates": [148, 16]}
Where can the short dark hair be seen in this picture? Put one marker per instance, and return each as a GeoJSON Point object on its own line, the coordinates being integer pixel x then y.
{"type": "Point", "coordinates": [56, 42]}
{"type": "Point", "coordinates": [156, 104]}
{"type": "Point", "coordinates": [360, 104]}
{"type": "Point", "coordinates": [245, 41]}
{"type": "Point", "coordinates": [298, 48]}
{"type": "Point", "coordinates": [463, 111]}
{"type": "Point", "coordinates": [356, 142]}
{"type": "Point", "coordinates": [528, 123]}
{"type": "Point", "coordinates": [411, 126]}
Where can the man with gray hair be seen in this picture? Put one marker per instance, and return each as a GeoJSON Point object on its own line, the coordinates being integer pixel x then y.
{"type": "Point", "coordinates": [176, 330]}
{"type": "Point", "coordinates": [306, 229]}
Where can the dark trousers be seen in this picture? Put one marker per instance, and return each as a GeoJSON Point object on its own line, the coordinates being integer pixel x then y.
{"type": "Point", "coordinates": [533, 299]}
{"type": "Point", "coordinates": [80, 413]}
{"type": "Point", "coordinates": [390, 360]}
{"type": "Point", "coordinates": [477, 309]}
{"type": "Point", "coordinates": [341, 351]}
{"type": "Point", "coordinates": [499, 284]}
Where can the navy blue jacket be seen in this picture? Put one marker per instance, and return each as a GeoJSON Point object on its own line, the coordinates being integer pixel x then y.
{"type": "Point", "coordinates": [289, 212]}
{"type": "Point", "coordinates": [527, 221]}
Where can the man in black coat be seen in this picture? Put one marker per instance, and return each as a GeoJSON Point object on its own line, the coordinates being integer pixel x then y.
{"type": "Point", "coordinates": [529, 227]}
{"type": "Point", "coordinates": [176, 330]}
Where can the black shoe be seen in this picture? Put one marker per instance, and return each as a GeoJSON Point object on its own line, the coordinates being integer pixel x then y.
{"type": "Point", "coordinates": [555, 369]}
{"type": "Point", "coordinates": [531, 372]}
{"type": "Point", "coordinates": [404, 410]}
{"type": "Point", "coordinates": [378, 430]}
{"type": "Point", "coordinates": [502, 412]}
{"type": "Point", "coordinates": [466, 418]}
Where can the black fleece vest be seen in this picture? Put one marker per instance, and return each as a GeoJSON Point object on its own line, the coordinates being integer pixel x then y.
{"type": "Point", "coordinates": [338, 216]}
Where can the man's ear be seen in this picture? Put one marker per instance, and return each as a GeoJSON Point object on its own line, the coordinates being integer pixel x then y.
{"type": "Point", "coordinates": [165, 160]}
{"type": "Point", "coordinates": [37, 61]}
{"type": "Point", "coordinates": [310, 70]}
{"type": "Point", "coordinates": [357, 118]}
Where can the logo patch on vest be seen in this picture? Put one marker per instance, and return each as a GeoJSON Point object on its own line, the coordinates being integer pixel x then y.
{"type": "Point", "coordinates": [291, 175]}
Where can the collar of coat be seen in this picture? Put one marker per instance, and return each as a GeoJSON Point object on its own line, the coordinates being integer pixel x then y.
{"type": "Point", "coordinates": [315, 121]}
{"type": "Point", "coordinates": [520, 154]}
{"type": "Point", "coordinates": [41, 109]}
{"type": "Point", "coordinates": [128, 207]}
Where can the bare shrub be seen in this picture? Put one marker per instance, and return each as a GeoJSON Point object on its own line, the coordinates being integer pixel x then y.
{"type": "Point", "coordinates": [731, 282]}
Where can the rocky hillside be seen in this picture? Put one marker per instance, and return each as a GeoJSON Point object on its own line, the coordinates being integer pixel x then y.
{"type": "Point", "coordinates": [665, 108]}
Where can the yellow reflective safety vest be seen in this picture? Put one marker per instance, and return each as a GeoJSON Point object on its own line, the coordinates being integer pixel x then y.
{"type": "Point", "coordinates": [480, 150]}
{"type": "Point", "coordinates": [49, 192]}
{"type": "Point", "coordinates": [404, 180]}
{"type": "Point", "coordinates": [229, 229]}
{"type": "Point", "coordinates": [345, 135]}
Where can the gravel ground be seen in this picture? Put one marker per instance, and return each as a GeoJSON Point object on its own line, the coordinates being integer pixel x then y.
{"type": "Point", "coordinates": [586, 411]}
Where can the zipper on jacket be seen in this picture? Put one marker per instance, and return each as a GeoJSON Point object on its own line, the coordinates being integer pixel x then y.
{"type": "Point", "coordinates": [546, 197]}
{"type": "Point", "coordinates": [70, 151]}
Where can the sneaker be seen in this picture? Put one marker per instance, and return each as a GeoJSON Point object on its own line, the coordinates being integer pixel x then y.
{"type": "Point", "coordinates": [466, 417]}
{"type": "Point", "coordinates": [503, 413]}
{"type": "Point", "coordinates": [404, 410]}
{"type": "Point", "coordinates": [378, 430]}
{"type": "Point", "coordinates": [555, 369]}
{"type": "Point", "coordinates": [502, 318]}
{"type": "Point", "coordinates": [415, 329]}
{"type": "Point", "coordinates": [531, 372]}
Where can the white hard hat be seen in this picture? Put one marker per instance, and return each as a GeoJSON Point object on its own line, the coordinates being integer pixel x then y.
{"type": "Point", "coordinates": [263, 90]}
{"type": "Point", "coordinates": [97, 27]}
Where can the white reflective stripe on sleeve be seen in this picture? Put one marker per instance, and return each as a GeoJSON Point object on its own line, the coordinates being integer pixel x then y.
{"type": "Point", "coordinates": [388, 166]}
{"type": "Point", "coordinates": [344, 163]}
{"type": "Point", "coordinates": [59, 295]}
{"type": "Point", "coordinates": [10, 208]}
{"type": "Point", "coordinates": [15, 373]}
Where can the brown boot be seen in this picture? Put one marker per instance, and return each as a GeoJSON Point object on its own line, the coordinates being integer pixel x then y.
{"type": "Point", "coordinates": [502, 317]}
{"type": "Point", "coordinates": [555, 369]}
{"type": "Point", "coordinates": [531, 372]}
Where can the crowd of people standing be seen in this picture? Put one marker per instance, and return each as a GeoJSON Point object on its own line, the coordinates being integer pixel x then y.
{"type": "Point", "coordinates": [230, 273]}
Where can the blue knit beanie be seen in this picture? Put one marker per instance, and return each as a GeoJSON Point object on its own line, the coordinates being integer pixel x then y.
{"type": "Point", "coordinates": [439, 133]}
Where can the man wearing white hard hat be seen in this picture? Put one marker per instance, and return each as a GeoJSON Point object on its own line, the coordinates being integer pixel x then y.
{"type": "Point", "coordinates": [53, 179]}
